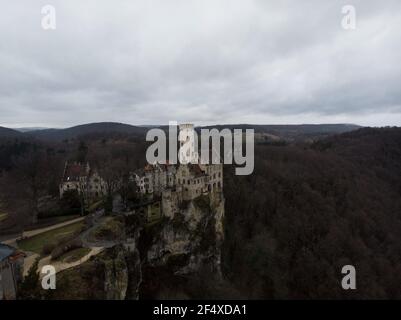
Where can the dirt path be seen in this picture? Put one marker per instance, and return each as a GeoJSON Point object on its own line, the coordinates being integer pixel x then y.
{"type": "Point", "coordinates": [85, 236]}
{"type": "Point", "coordinates": [60, 265]}
{"type": "Point", "coordinates": [28, 234]}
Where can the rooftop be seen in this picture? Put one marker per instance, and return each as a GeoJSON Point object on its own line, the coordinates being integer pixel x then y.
{"type": "Point", "coordinates": [6, 251]}
{"type": "Point", "coordinates": [74, 171]}
{"type": "Point", "coordinates": [196, 170]}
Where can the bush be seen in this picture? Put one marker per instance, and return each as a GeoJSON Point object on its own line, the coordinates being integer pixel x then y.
{"type": "Point", "coordinates": [110, 229]}
{"type": "Point", "coordinates": [65, 247]}
{"type": "Point", "coordinates": [48, 248]}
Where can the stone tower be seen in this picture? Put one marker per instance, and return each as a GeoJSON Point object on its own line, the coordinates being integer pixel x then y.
{"type": "Point", "coordinates": [188, 144]}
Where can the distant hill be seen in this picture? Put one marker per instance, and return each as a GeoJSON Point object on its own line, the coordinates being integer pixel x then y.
{"type": "Point", "coordinates": [9, 133]}
{"type": "Point", "coordinates": [263, 132]}
{"type": "Point", "coordinates": [296, 128]}
{"type": "Point", "coordinates": [30, 129]}
{"type": "Point", "coordinates": [87, 129]}
{"type": "Point", "coordinates": [302, 132]}
{"type": "Point", "coordinates": [313, 128]}
{"type": "Point", "coordinates": [378, 149]}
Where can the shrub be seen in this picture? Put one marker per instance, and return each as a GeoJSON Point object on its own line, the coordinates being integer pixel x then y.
{"type": "Point", "coordinates": [65, 247]}
{"type": "Point", "coordinates": [48, 248]}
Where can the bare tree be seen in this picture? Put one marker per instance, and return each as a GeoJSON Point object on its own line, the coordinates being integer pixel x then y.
{"type": "Point", "coordinates": [31, 176]}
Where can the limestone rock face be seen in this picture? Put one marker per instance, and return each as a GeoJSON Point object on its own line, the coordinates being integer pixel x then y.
{"type": "Point", "coordinates": [191, 239]}
{"type": "Point", "coordinates": [186, 243]}
{"type": "Point", "coordinates": [122, 274]}
{"type": "Point", "coordinates": [116, 277]}
{"type": "Point", "coordinates": [134, 275]}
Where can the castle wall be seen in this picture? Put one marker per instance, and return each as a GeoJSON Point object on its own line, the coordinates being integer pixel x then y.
{"type": "Point", "coordinates": [170, 202]}
{"type": "Point", "coordinates": [182, 183]}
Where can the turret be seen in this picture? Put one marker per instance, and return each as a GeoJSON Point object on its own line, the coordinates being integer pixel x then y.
{"type": "Point", "coordinates": [188, 143]}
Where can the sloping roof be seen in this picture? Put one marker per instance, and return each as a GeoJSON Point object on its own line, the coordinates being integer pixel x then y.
{"type": "Point", "coordinates": [6, 251]}
{"type": "Point", "coordinates": [196, 170]}
{"type": "Point", "coordinates": [74, 171]}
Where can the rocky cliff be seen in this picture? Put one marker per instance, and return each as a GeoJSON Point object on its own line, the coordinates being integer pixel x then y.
{"type": "Point", "coordinates": [191, 239]}
{"type": "Point", "coordinates": [153, 257]}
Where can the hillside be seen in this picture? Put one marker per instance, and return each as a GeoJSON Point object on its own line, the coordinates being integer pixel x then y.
{"type": "Point", "coordinates": [307, 211]}
{"type": "Point", "coordinates": [87, 129]}
{"type": "Point", "coordinates": [303, 132]}
{"type": "Point", "coordinates": [9, 133]}
{"type": "Point", "coordinates": [30, 129]}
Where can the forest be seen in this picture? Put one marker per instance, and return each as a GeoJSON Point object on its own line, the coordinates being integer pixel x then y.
{"type": "Point", "coordinates": [309, 208]}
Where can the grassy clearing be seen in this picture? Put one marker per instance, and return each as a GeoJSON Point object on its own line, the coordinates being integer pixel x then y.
{"type": "Point", "coordinates": [36, 243]}
{"type": "Point", "coordinates": [3, 216]}
{"type": "Point", "coordinates": [74, 255]}
{"type": "Point", "coordinates": [94, 206]}
{"type": "Point", "coordinates": [111, 228]}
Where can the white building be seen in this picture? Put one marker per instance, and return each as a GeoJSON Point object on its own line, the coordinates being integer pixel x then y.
{"type": "Point", "coordinates": [192, 180]}
{"type": "Point", "coordinates": [83, 179]}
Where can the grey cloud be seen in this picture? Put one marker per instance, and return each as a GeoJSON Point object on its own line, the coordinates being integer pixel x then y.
{"type": "Point", "coordinates": [146, 62]}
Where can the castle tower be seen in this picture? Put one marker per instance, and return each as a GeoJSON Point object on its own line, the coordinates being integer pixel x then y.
{"type": "Point", "coordinates": [188, 144]}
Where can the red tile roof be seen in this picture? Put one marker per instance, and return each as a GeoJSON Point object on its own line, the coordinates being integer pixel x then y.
{"type": "Point", "coordinates": [74, 171]}
{"type": "Point", "coordinates": [196, 170]}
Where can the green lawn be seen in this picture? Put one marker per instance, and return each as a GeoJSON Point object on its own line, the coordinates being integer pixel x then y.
{"type": "Point", "coordinates": [94, 206]}
{"type": "Point", "coordinates": [74, 255]}
{"type": "Point", "coordinates": [36, 243]}
{"type": "Point", "coordinates": [3, 216]}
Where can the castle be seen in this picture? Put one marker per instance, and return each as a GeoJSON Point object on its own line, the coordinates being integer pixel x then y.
{"type": "Point", "coordinates": [191, 180]}
{"type": "Point", "coordinates": [166, 185]}
{"type": "Point", "coordinates": [176, 183]}
{"type": "Point", "coordinates": [83, 179]}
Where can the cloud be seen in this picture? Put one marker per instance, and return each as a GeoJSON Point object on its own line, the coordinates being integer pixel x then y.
{"type": "Point", "coordinates": [227, 61]}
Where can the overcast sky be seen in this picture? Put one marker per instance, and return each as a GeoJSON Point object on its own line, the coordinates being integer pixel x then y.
{"type": "Point", "coordinates": [205, 61]}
